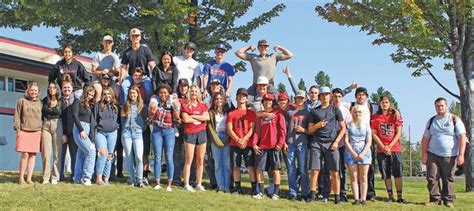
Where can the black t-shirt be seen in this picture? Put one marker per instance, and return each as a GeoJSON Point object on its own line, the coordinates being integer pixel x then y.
{"type": "Point", "coordinates": [333, 115]}
{"type": "Point", "coordinates": [138, 58]}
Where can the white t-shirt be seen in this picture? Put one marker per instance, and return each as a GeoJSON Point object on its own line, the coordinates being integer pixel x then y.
{"type": "Point", "coordinates": [187, 68]}
{"type": "Point", "coordinates": [443, 134]}
{"type": "Point", "coordinates": [220, 122]}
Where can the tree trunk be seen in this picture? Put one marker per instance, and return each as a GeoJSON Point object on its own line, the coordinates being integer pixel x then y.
{"type": "Point", "coordinates": [466, 110]}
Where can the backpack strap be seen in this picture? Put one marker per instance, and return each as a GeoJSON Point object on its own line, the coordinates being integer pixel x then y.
{"type": "Point", "coordinates": [431, 122]}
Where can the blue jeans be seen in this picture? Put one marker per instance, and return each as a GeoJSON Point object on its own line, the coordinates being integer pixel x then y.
{"type": "Point", "coordinates": [128, 82]}
{"type": "Point", "coordinates": [223, 170]}
{"type": "Point", "coordinates": [297, 153]}
{"type": "Point", "coordinates": [163, 137]}
{"type": "Point", "coordinates": [105, 140]}
{"type": "Point", "coordinates": [85, 156]}
{"type": "Point", "coordinates": [132, 139]}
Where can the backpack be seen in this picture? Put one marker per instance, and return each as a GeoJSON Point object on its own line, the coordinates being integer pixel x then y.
{"type": "Point", "coordinates": [453, 117]}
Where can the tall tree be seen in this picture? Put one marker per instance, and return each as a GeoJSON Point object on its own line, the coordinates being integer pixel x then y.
{"type": "Point", "coordinates": [323, 79]}
{"type": "Point", "coordinates": [375, 97]}
{"type": "Point", "coordinates": [301, 85]}
{"type": "Point", "coordinates": [281, 87]}
{"type": "Point", "coordinates": [165, 25]}
{"type": "Point", "coordinates": [421, 31]}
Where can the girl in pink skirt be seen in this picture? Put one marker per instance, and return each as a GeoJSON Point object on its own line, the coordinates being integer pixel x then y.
{"type": "Point", "coordinates": [27, 124]}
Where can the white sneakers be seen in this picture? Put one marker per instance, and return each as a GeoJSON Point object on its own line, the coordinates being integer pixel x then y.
{"type": "Point", "coordinates": [169, 189]}
{"type": "Point", "coordinates": [200, 187]}
{"type": "Point", "coordinates": [189, 188]}
{"type": "Point", "coordinates": [86, 182]}
{"type": "Point", "coordinates": [54, 182]}
{"type": "Point", "coordinates": [157, 187]}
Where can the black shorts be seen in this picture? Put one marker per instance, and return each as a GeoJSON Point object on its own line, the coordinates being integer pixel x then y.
{"type": "Point", "coordinates": [146, 141]}
{"type": "Point", "coordinates": [320, 151]}
{"type": "Point", "coordinates": [269, 159]}
{"type": "Point", "coordinates": [236, 154]}
{"type": "Point", "coordinates": [390, 165]}
{"type": "Point", "coordinates": [196, 138]}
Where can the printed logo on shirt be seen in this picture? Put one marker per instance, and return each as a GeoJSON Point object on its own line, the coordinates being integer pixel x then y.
{"type": "Point", "coordinates": [217, 71]}
{"type": "Point", "coordinates": [386, 129]}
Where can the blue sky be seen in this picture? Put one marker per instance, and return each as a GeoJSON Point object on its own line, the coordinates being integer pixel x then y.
{"type": "Point", "coordinates": [344, 53]}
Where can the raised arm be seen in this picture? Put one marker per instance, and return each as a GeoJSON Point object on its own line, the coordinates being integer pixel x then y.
{"type": "Point", "coordinates": [295, 89]}
{"type": "Point", "coordinates": [286, 54]}
{"type": "Point", "coordinates": [242, 52]}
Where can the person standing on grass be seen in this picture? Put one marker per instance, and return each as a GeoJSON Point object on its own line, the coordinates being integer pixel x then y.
{"type": "Point", "coordinates": [76, 71]}
{"type": "Point", "coordinates": [106, 136]}
{"type": "Point", "coordinates": [83, 132]}
{"type": "Point", "coordinates": [240, 126]}
{"type": "Point", "coordinates": [387, 126]}
{"type": "Point", "coordinates": [105, 63]}
{"type": "Point", "coordinates": [67, 123]}
{"type": "Point", "coordinates": [358, 141]}
{"type": "Point", "coordinates": [326, 136]}
{"type": "Point", "coordinates": [133, 118]}
{"type": "Point", "coordinates": [338, 101]}
{"type": "Point", "coordinates": [296, 146]}
{"type": "Point", "coordinates": [194, 115]}
{"type": "Point", "coordinates": [369, 109]}
{"type": "Point", "coordinates": [136, 56]}
{"type": "Point", "coordinates": [268, 140]}
{"type": "Point", "coordinates": [51, 112]}
{"type": "Point", "coordinates": [442, 148]}
{"type": "Point", "coordinates": [217, 133]}
{"type": "Point", "coordinates": [27, 125]}
{"type": "Point", "coordinates": [161, 114]}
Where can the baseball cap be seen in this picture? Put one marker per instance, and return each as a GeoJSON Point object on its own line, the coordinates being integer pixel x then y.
{"type": "Point", "coordinates": [268, 96]}
{"type": "Point", "coordinates": [108, 37]}
{"type": "Point", "coordinates": [283, 95]}
{"type": "Point", "coordinates": [263, 42]}
{"type": "Point", "coordinates": [183, 81]}
{"type": "Point", "coordinates": [190, 45]}
{"type": "Point", "coordinates": [262, 80]}
{"type": "Point", "coordinates": [135, 31]}
{"type": "Point", "coordinates": [242, 91]}
{"type": "Point", "coordinates": [361, 89]}
{"type": "Point", "coordinates": [300, 93]}
{"type": "Point", "coordinates": [221, 46]}
{"type": "Point", "coordinates": [215, 81]}
{"type": "Point", "coordinates": [324, 89]}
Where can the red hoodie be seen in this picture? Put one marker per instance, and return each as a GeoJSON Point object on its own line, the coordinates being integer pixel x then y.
{"type": "Point", "coordinates": [270, 133]}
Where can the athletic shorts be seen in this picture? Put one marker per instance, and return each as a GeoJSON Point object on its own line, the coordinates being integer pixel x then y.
{"type": "Point", "coordinates": [196, 138]}
{"type": "Point", "coordinates": [236, 154]}
{"type": "Point", "coordinates": [320, 151]}
{"type": "Point", "coordinates": [390, 165]}
{"type": "Point", "coordinates": [269, 159]}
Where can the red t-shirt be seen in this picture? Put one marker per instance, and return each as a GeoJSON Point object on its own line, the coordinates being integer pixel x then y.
{"type": "Point", "coordinates": [386, 127]}
{"type": "Point", "coordinates": [270, 133]}
{"type": "Point", "coordinates": [197, 126]}
{"type": "Point", "coordinates": [240, 120]}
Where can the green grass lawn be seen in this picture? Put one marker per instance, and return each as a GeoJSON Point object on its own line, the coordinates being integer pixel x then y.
{"type": "Point", "coordinates": [123, 197]}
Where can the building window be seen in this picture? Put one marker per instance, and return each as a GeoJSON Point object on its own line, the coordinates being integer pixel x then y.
{"type": "Point", "coordinates": [20, 85]}
{"type": "Point", "coordinates": [10, 85]}
{"type": "Point", "coordinates": [2, 83]}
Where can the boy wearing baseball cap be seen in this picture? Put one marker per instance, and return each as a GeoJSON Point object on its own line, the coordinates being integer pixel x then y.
{"type": "Point", "coordinates": [218, 69]}
{"type": "Point", "coordinates": [323, 122]}
{"type": "Point", "coordinates": [268, 140]}
{"type": "Point", "coordinates": [105, 63]}
{"type": "Point", "coordinates": [240, 126]}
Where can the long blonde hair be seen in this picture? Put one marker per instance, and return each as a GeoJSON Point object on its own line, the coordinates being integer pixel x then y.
{"type": "Point", "coordinates": [127, 107]}
{"type": "Point", "coordinates": [188, 95]}
{"type": "Point", "coordinates": [359, 122]}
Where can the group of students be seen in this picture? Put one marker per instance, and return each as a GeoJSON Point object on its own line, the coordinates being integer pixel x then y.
{"type": "Point", "coordinates": [193, 124]}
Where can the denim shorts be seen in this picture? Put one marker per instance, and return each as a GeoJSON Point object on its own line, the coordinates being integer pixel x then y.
{"type": "Point", "coordinates": [196, 138]}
